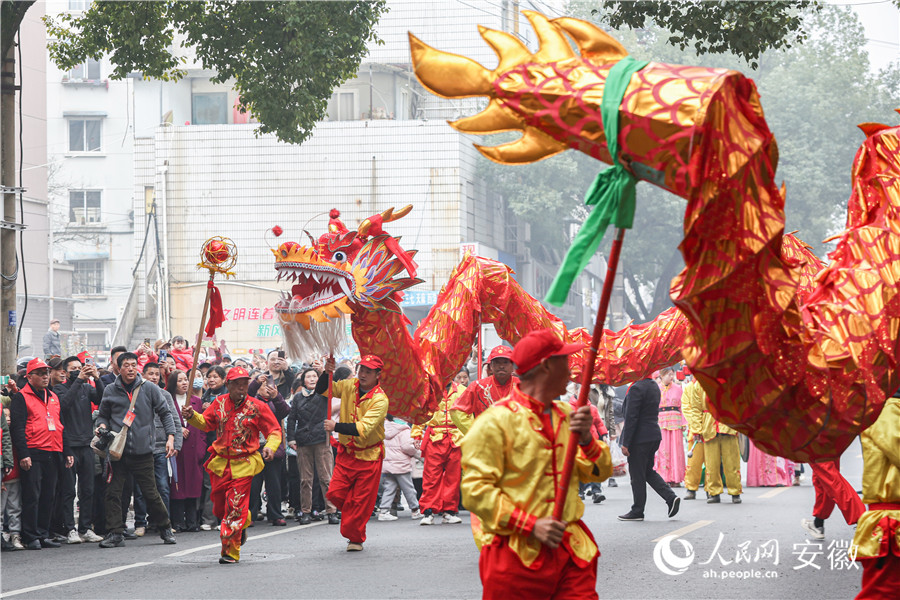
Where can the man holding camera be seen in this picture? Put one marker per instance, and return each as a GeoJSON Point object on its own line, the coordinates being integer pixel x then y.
{"type": "Point", "coordinates": [239, 420]}
{"type": "Point", "coordinates": [129, 402]}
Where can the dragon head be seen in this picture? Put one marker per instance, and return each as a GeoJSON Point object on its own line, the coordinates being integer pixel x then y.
{"type": "Point", "coordinates": [340, 273]}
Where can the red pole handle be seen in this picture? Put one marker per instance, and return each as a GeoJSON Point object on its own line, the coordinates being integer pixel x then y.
{"type": "Point", "coordinates": [587, 374]}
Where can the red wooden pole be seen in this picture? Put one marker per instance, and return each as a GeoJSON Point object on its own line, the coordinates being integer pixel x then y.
{"type": "Point", "coordinates": [587, 373]}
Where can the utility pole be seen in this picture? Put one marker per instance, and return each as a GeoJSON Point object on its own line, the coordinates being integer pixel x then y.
{"type": "Point", "coordinates": [8, 265]}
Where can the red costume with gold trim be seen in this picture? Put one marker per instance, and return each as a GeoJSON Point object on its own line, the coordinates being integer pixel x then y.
{"type": "Point", "coordinates": [440, 449]}
{"type": "Point", "coordinates": [235, 459]}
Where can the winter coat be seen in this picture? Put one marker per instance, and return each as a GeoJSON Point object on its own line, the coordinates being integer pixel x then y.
{"type": "Point", "coordinates": [150, 402]}
{"type": "Point", "coordinates": [77, 399]}
{"type": "Point", "coordinates": [159, 446]}
{"type": "Point", "coordinates": [305, 423]}
{"type": "Point", "coordinates": [399, 451]}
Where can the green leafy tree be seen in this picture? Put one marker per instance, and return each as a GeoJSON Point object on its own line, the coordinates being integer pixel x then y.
{"type": "Point", "coordinates": [813, 95]}
{"type": "Point", "coordinates": [285, 58]}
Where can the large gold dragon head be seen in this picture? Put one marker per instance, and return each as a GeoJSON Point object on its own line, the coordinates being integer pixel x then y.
{"type": "Point", "coordinates": [341, 272]}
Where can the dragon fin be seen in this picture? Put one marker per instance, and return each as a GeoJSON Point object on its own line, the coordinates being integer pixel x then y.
{"type": "Point", "coordinates": [491, 120]}
{"type": "Point", "coordinates": [871, 129]}
{"type": "Point", "coordinates": [592, 42]}
{"type": "Point", "coordinates": [446, 74]}
{"type": "Point", "coordinates": [510, 51]}
{"type": "Point", "coordinates": [533, 146]}
{"type": "Point", "coordinates": [554, 45]}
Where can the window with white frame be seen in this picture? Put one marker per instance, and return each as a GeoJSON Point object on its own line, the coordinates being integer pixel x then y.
{"type": "Point", "coordinates": [85, 134]}
{"type": "Point", "coordinates": [344, 106]}
{"type": "Point", "coordinates": [87, 278]}
{"type": "Point", "coordinates": [209, 108]}
{"type": "Point", "coordinates": [84, 206]}
{"type": "Point", "coordinates": [78, 5]}
{"type": "Point", "coordinates": [89, 70]}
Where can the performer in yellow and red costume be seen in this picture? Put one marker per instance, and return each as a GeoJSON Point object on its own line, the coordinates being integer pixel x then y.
{"type": "Point", "coordinates": [512, 459]}
{"type": "Point", "coordinates": [357, 470]}
{"type": "Point", "coordinates": [441, 473]}
{"type": "Point", "coordinates": [877, 539]}
{"type": "Point", "coordinates": [238, 420]}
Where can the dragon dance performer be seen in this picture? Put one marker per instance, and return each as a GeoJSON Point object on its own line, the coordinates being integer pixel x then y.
{"type": "Point", "coordinates": [877, 539]}
{"type": "Point", "coordinates": [439, 444]}
{"type": "Point", "coordinates": [716, 445]}
{"type": "Point", "coordinates": [483, 392]}
{"type": "Point", "coordinates": [357, 470]}
{"type": "Point", "coordinates": [512, 458]}
{"type": "Point", "coordinates": [234, 459]}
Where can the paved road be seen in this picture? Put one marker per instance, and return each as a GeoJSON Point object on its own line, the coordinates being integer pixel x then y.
{"type": "Point", "coordinates": [403, 560]}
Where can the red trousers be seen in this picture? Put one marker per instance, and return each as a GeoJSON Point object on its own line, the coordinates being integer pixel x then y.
{"type": "Point", "coordinates": [832, 489]}
{"type": "Point", "coordinates": [354, 490]}
{"type": "Point", "coordinates": [881, 578]}
{"type": "Point", "coordinates": [440, 477]}
{"type": "Point", "coordinates": [231, 504]}
{"type": "Point", "coordinates": [503, 575]}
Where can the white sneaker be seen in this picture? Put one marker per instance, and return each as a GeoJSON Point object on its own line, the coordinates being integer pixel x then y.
{"type": "Point", "coordinates": [386, 516]}
{"type": "Point", "coordinates": [140, 531]}
{"type": "Point", "coordinates": [205, 527]}
{"type": "Point", "coordinates": [417, 514]}
{"type": "Point", "coordinates": [816, 533]}
{"type": "Point", "coordinates": [90, 536]}
{"type": "Point", "coordinates": [427, 520]}
{"type": "Point", "coordinates": [16, 540]}
{"type": "Point", "coordinates": [73, 537]}
{"type": "Point", "coordinates": [451, 519]}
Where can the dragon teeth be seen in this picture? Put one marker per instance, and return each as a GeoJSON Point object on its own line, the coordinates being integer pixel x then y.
{"type": "Point", "coordinates": [345, 287]}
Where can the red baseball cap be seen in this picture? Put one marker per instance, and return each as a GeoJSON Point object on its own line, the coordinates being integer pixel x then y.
{"type": "Point", "coordinates": [500, 352]}
{"type": "Point", "coordinates": [83, 355]}
{"type": "Point", "coordinates": [237, 373]}
{"type": "Point", "coordinates": [34, 364]}
{"type": "Point", "coordinates": [371, 361]}
{"type": "Point", "coordinates": [538, 346]}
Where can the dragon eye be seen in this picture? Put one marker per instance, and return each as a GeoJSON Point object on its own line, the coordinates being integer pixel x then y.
{"type": "Point", "coordinates": [340, 256]}
{"type": "Point", "coordinates": [284, 253]}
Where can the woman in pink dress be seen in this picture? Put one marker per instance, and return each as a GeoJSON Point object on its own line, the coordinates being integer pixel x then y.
{"type": "Point", "coordinates": [669, 461]}
{"type": "Point", "coordinates": [765, 470]}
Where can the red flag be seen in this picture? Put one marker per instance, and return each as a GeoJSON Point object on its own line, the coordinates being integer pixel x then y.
{"type": "Point", "coordinates": [216, 314]}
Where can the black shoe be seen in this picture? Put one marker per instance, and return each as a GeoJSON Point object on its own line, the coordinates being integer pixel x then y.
{"type": "Point", "coordinates": [631, 516]}
{"type": "Point", "coordinates": [129, 535]}
{"type": "Point", "coordinates": [713, 499]}
{"type": "Point", "coordinates": [598, 498]}
{"type": "Point", "coordinates": [167, 536]}
{"type": "Point", "coordinates": [736, 499]}
{"type": "Point", "coordinates": [33, 545]}
{"type": "Point", "coordinates": [673, 508]}
{"type": "Point", "coordinates": [305, 519]}
{"type": "Point", "coordinates": [5, 546]}
{"type": "Point", "coordinates": [193, 529]}
{"type": "Point", "coordinates": [60, 538]}
{"type": "Point", "coordinates": [317, 516]}
{"type": "Point", "coordinates": [243, 537]}
{"type": "Point", "coordinates": [48, 543]}
{"type": "Point", "coordinates": [612, 483]}
{"type": "Point", "coordinates": [227, 560]}
{"type": "Point", "coordinates": [279, 522]}
{"type": "Point", "coordinates": [333, 519]}
{"type": "Point", "coordinates": [113, 540]}
{"type": "Point", "coordinates": [691, 495]}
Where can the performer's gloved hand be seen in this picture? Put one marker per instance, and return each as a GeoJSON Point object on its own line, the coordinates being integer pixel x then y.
{"type": "Point", "coordinates": [580, 422]}
{"type": "Point", "coordinates": [549, 531]}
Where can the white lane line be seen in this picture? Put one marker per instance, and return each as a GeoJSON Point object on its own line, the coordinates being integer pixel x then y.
{"type": "Point", "coordinates": [684, 530]}
{"type": "Point", "coordinates": [72, 580]}
{"type": "Point", "coordinates": [775, 492]}
{"type": "Point", "coordinates": [255, 537]}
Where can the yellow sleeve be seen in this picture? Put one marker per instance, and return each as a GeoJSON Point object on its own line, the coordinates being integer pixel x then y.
{"type": "Point", "coordinates": [483, 451]}
{"type": "Point", "coordinates": [692, 414]}
{"type": "Point", "coordinates": [593, 462]}
{"type": "Point", "coordinates": [339, 387]}
{"type": "Point", "coordinates": [368, 423]}
{"type": "Point", "coordinates": [416, 431]}
{"type": "Point", "coordinates": [273, 441]}
{"type": "Point", "coordinates": [198, 421]}
{"type": "Point", "coordinates": [462, 420]}
{"type": "Point", "coordinates": [883, 432]}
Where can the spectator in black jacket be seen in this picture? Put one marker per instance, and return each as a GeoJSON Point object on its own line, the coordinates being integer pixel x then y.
{"type": "Point", "coordinates": [273, 473]}
{"type": "Point", "coordinates": [78, 397]}
{"type": "Point", "coordinates": [307, 436]}
{"type": "Point", "coordinates": [113, 364]}
{"type": "Point", "coordinates": [37, 433]}
{"type": "Point", "coordinates": [640, 440]}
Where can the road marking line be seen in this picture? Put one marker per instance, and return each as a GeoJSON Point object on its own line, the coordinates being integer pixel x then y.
{"type": "Point", "coordinates": [684, 530]}
{"type": "Point", "coordinates": [255, 537]}
{"type": "Point", "coordinates": [775, 492]}
{"type": "Point", "coordinates": [73, 580]}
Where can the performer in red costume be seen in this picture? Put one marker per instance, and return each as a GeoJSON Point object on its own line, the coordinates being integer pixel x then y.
{"type": "Point", "coordinates": [357, 470]}
{"type": "Point", "coordinates": [831, 490]}
{"type": "Point", "coordinates": [484, 392]}
{"type": "Point", "coordinates": [239, 420]}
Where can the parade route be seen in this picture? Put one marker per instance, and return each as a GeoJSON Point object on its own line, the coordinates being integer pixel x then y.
{"type": "Point", "coordinates": [404, 560]}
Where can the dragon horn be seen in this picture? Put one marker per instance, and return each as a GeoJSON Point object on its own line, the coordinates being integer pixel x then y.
{"type": "Point", "coordinates": [592, 42]}
{"type": "Point", "coordinates": [533, 146]}
{"type": "Point", "coordinates": [386, 217]}
{"type": "Point", "coordinates": [554, 45]}
{"type": "Point", "coordinates": [448, 75]}
{"type": "Point", "coordinates": [312, 242]}
{"type": "Point", "coordinates": [509, 50]}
